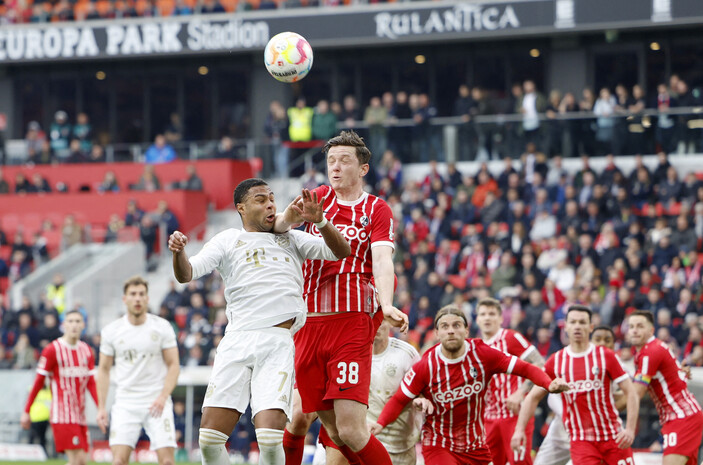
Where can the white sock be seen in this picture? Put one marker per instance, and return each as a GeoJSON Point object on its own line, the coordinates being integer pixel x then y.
{"type": "Point", "coordinates": [270, 446]}
{"type": "Point", "coordinates": [212, 447]}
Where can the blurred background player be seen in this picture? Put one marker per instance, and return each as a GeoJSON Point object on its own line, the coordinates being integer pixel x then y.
{"type": "Point", "coordinates": [505, 392]}
{"type": "Point", "coordinates": [554, 449]}
{"type": "Point", "coordinates": [658, 371]}
{"type": "Point", "coordinates": [453, 377]}
{"type": "Point", "coordinates": [590, 416]}
{"type": "Point", "coordinates": [333, 350]}
{"type": "Point", "coordinates": [143, 348]}
{"type": "Point", "coordinates": [70, 365]}
{"type": "Point", "coordinates": [255, 357]}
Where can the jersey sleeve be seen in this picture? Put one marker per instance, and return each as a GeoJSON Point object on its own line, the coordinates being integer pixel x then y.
{"type": "Point", "coordinates": [549, 367]}
{"type": "Point", "coordinates": [47, 360]}
{"type": "Point", "coordinates": [168, 336]}
{"type": "Point", "coordinates": [382, 228]}
{"type": "Point", "coordinates": [494, 359]}
{"type": "Point", "coordinates": [519, 346]}
{"type": "Point", "coordinates": [209, 257]}
{"type": "Point", "coordinates": [614, 368]}
{"type": "Point", "coordinates": [647, 367]}
{"type": "Point", "coordinates": [415, 380]}
{"type": "Point", "coordinates": [311, 247]}
{"type": "Point", "coordinates": [107, 346]}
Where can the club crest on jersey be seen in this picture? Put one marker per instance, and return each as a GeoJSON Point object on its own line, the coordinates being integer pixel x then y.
{"type": "Point", "coordinates": [364, 221]}
{"type": "Point", "coordinates": [154, 336]}
{"type": "Point", "coordinates": [391, 370]}
{"type": "Point", "coordinates": [473, 372]}
{"type": "Point", "coordinates": [595, 370]}
{"type": "Point", "coordinates": [282, 240]}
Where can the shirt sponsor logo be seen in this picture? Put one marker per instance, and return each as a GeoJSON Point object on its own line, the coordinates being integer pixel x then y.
{"type": "Point", "coordinates": [458, 393]}
{"type": "Point", "coordinates": [584, 385]}
{"type": "Point", "coordinates": [74, 372]}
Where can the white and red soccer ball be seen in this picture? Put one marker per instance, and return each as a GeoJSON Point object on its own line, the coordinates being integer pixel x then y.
{"type": "Point", "coordinates": [288, 57]}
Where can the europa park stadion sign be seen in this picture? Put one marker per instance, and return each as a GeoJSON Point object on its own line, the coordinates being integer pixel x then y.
{"type": "Point", "coordinates": [325, 27]}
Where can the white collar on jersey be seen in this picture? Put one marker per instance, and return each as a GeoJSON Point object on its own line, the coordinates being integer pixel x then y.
{"type": "Point", "coordinates": [351, 203]}
{"type": "Point", "coordinates": [495, 337]}
{"type": "Point", "coordinates": [582, 354]}
{"type": "Point", "coordinates": [452, 360]}
{"type": "Point", "coordinates": [650, 339]}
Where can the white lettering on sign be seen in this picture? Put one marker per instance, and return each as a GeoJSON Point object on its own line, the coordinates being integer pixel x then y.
{"type": "Point", "coordinates": [204, 35]}
{"type": "Point", "coordinates": [462, 18]}
{"type": "Point", "coordinates": [51, 42]}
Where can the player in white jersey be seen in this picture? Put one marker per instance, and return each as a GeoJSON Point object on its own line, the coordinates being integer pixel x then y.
{"type": "Point", "coordinates": [263, 277]}
{"type": "Point", "coordinates": [143, 348]}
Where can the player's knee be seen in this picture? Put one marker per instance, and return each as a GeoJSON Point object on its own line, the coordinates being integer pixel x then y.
{"type": "Point", "coordinates": [352, 435]}
{"type": "Point", "coordinates": [212, 445]}
{"type": "Point", "coordinates": [120, 461]}
{"type": "Point", "coordinates": [270, 443]}
{"type": "Point", "coordinates": [300, 423]}
{"type": "Point", "coordinates": [166, 461]}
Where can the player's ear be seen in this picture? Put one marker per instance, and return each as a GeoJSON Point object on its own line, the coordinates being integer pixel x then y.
{"type": "Point", "coordinates": [363, 169]}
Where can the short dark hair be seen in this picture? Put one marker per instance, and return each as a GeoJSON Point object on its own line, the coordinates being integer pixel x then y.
{"type": "Point", "coordinates": [580, 308]}
{"type": "Point", "coordinates": [242, 189]}
{"type": "Point", "coordinates": [350, 139]}
{"type": "Point", "coordinates": [450, 309]}
{"type": "Point", "coordinates": [490, 302]}
{"type": "Point", "coordinates": [604, 328]}
{"type": "Point", "coordinates": [649, 316]}
{"type": "Point", "coordinates": [70, 312]}
{"type": "Point", "coordinates": [135, 281]}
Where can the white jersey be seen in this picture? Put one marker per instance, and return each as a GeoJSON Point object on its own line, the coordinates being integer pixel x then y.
{"type": "Point", "coordinates": [262, 273]}
{"type": "Point", "coordinates": [387, 371]}
{"type": "Point", "coordinates": [140, 369]}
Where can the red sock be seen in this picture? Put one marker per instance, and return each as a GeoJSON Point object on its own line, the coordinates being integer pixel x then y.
{"type": "Point", "coordinates": [374, 453]}
{"type": "Point", "coordinates": [350, 455]}
{"type": "Point", "coordinates": [294, 447]}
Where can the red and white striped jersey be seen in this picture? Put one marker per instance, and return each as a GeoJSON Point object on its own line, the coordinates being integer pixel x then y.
{"type": "Point", "coordinates": [70, 368]}
{"type": "Point", "coordinates": [457, 389]}
{"type": "Point", "coordinates": [347, 285]}
{"type": "Point", "coordinates": [502, 386]}
{"type": "Point", "coordinates": [589, 412]}
{"type": "Point", "coordinates": [657, 367]}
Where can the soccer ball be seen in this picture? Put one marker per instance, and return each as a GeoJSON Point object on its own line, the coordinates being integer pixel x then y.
{"type": "Point", "coordinates": [288, 57]}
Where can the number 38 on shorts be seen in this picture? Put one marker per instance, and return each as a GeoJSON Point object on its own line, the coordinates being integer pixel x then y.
{"type": "Point", "coordinates": [348, 373]}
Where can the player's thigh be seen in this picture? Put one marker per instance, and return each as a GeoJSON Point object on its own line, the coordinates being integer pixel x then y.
{"type": "Point", "coordinates": [273, 373]}
{"type": "Point", "coordinates": [300, 423]}
{"type": "Point", "coordinates": [676, 459]}
{"type": "Point", "coordinates": [126, 423]}
{"type": "Point", "coordinates": [220, 419]}
{"type": "Point", "coordinates": [76, 457]}
{"type": "Point", "coordinates": [408, 457]}
{"type": "Point", "coordinates": [349, 366]}
{"type": "Point", "coordinates": [166, 455]}
{"type": "Point", "coordinates": [121, 454]}
{"type": "Point", "coordinates": [229, 386]}
{"type": "Point", "coordinates": [161, 430]}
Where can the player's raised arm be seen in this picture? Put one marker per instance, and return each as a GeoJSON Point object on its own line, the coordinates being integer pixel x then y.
{"type": "Point", "coordinates": [182, 269]}
{"type": "Point", "coordinates": [311, 210]}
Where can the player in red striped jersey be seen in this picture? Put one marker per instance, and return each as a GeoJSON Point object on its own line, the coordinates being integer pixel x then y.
{"type": "Point", "coordinates": [658, 371]}
{"type": "Point", "coordinates": [505, 392]}
{"type": "Point", "coordinates": [333, 349]}
{"type": "Point", "coordinates": [590, 416]}
{"type": "Point", "coordinates": [453, 376]}
{"type": "Point", "coordinates": [70, 365]}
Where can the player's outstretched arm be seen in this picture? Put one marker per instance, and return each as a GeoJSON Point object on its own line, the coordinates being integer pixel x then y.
{"type": "Point", "coordinates": [289, 218]}
{"type": "Point", "coordinates": [625, 437]}
{"type": "Point", "coordinates": [103, 383]}
{"type": "Point", "coordinates": [25, 421]}
{"type": "Point", "coordinates": [390, 412]}
{"type": "Point", "coordinates": [181, 266]}
{"type": "Point", "coordinates": [384, 279]}
{"type": "Point", "coordinates": [527, 411]}
{"type": "Point", "coordinates": [311, 210]}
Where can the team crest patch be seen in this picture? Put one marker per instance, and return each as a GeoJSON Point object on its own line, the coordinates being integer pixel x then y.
{"type": "Point", "coordinates": [391, 370]}
{"type": "Point", "coordinates": [210, 390]}
{"type": "Point", "coordinates": [240, 243]}
{"type": "Point", "coordinates": [282, 241]}
{"type": "Point", "coordinates": [364, 221]}
{"type": "Point", "coordinates": [154, 336]}
{"type": "Point", "coordinates": [76, 440]}
{"type": "Point", "coordinates": [595, 370]}
{"type": "Point", "coordinates": [473, 372]}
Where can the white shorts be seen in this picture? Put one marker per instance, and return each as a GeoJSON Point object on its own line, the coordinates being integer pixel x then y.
{"type": "Point", "coordinates": [408, 457]}
{"type": "Point", "coordinates": [256, 366]}
{"type": "Point", "coordinates": [555, 447]}
{"type": "Point", "coordinates": [127, 421]}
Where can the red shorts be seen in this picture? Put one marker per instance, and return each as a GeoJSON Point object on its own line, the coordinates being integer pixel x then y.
{"type": "Point", "coordinates": [333, 360]}
{"type": "Point", "coordinates": [498, 436]}
{"type": "Point", "coordinates": [441, 456]}
{"type": "Point", "coordinates": [683, 437]}
{"type": "Point", "coordinates": [69, 436]}
{"type": "Point", "coordinates": [599, 452]}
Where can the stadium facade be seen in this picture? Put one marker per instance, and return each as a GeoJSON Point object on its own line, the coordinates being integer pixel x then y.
{"type": "Point", "coordinates": [130, 75]}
